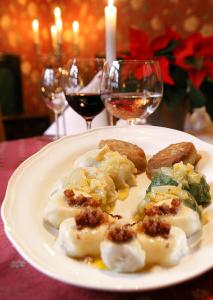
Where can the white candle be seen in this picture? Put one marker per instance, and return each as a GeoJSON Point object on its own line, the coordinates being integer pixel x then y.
{"type": "Point", "coordinates": [110, 28]}
{"type": "Point", "coordinates": [75, 29]}
{"type": "Point", "coordinates": [59, 26]}
{"type": "Point", "coordinates": [35, 26]}
{"type": "Point", "coordinates": [54, 38]}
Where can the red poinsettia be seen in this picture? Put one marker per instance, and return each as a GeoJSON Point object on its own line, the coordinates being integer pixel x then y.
{"type": "Point", "coordinates": [186, 64]}
{"type": "Point", "coordinates": [195, 55]}
{"type": "Point", "coordinates": [142, 47]}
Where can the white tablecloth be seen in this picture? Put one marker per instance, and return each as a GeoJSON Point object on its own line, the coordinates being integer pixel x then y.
{"type": "Point", "coordinates": [75, 123]}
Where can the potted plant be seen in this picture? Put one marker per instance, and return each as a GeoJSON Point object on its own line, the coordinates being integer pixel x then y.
{"type": "Point", "coordinates": [187, 70]}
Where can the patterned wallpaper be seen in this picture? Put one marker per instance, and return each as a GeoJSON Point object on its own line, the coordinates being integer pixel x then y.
{"type": "Point", "coordinates": [16, 17]}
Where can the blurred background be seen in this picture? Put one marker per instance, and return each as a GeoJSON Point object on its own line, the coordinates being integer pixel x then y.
{"type": "Point", "coordinates": [16, 16]}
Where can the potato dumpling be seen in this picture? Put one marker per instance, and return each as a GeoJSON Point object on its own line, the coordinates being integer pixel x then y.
{"type": "Point", "coordinates": [124, 257]}
{"type": "Point", "coordinates": [64, 204]}
{"type": "Point", "coordinates": [81, 236]}
{"type": "Point", "coordinates": [164, 251]}
{"type": "Point", "coordinates": [79, 243]}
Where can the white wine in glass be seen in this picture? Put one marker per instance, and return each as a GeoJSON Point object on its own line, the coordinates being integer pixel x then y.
{"type": "Point", "coordinates": [131, 89]}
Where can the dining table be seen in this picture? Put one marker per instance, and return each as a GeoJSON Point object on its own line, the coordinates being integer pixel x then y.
{"type": "Point", "coordinates": [20, 281]}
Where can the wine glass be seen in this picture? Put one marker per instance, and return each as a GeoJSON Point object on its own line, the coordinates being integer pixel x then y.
{"type": "Point", "coordinates": [52, 92]}
{"type": "Point", "coordinates": [132, 89]}
{"type": "Point", "coordinates": [82, 87]}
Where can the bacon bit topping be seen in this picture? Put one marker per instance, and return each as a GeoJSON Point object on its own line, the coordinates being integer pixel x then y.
{"type": "Point", "coordinates": [121, 234]}
{"type": "Point", "coordinates": [89, 218]}
{"type": "Point", "coordinates": [163, 209]}
{"type": "Point", "coordinates": [80, 200]}
{"type": "Point", "coordinates": [155, 227]}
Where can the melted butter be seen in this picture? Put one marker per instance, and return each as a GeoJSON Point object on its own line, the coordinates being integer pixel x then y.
{"type": "Point", "coordinates": [123, 193]}
{"type": "Point", "coordinates": [97, 263]}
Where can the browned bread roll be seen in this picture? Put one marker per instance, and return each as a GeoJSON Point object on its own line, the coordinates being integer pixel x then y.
{"type": "Point", "coordinates": [174, 153]}
{"type": "Point", "coordinates": [133, 152]}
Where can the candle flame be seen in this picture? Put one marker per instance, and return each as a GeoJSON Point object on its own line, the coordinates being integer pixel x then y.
{"type": "Point", "coordinates": [110, 3]}
{"type": "Point", "coordinates": [35, 25]}
{"type": "Point", "coordinates": [75, 26]}
{"type": "Point", "coordinates": [57, 12]}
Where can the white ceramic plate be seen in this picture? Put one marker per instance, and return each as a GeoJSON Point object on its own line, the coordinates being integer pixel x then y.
{"type": "Point", "coordinates": [32, 182]}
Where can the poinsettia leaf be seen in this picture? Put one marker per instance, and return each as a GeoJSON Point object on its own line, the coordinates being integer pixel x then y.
{"type": "Point", "coordinates": [179, 75]}
{"type": "Point", "coordinates": [167, 51]}
{"type": "Point", "coordinates": [196, 96]}
{"type": "Point", "coordinates": [174, 95]}
{"type": "Point", "coordinates": [130, 84]}
{"type": "Point", "coordinates": [206, 89]}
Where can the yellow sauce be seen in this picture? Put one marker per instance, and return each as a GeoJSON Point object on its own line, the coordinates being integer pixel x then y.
{"type": "Point", "coordinates": [96, 263]}
{"type": "Point", "coordinates": [99, 264]}
{"type": "Point", "coordinates": [205, 218]}
{"type": "Point", "coordinates": [123, 193]}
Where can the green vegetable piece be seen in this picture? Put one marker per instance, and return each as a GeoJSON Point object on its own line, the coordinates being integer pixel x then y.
{"type": "Point", "coordinates": [200, 191]}
{"type": "Point", "coordinates": [191, 203]}
{"type": "Point", "coordinates": [161, 179]}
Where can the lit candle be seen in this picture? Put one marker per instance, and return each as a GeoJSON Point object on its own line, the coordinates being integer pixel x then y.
{"type": "Point", "coordinates": [54, 38]}
{"type": "Point", "coordinates": [75, 28]}
{"type": "Point", "coordinates": [57, 13]}
{"type": "Point", "coordinates": [110, 28]}
{"type": "Point", "coordinates": [35, 26]}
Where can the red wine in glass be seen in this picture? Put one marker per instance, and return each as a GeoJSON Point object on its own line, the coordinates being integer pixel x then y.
{"type": "Point", "coordinates": [82, 87]}
{"type": "Point", "coordinates": [86, 105]}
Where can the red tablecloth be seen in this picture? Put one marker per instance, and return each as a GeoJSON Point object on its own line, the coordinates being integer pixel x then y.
{"type": "Point", "coordinates": [19, 281]}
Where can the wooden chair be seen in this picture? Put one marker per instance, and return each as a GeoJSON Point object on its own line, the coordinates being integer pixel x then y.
{"type": "Point", "coordinates": [14, 122]}
{"type": "Point", "coordinates": [10, 85]}
{"type": "Point", "coordinates": [2, 132]}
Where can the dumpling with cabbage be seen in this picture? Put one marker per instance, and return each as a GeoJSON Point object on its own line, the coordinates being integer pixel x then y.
{"type": "Point", "coordinates": [117, 166]}
{"type": "Point", "coordinates": [97, 184]}
{"type": "Point", "coordinates": [187, 178]}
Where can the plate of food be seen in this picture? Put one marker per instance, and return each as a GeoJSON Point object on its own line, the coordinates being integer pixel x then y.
{"type": "Point", "coordinates": [115, 208]}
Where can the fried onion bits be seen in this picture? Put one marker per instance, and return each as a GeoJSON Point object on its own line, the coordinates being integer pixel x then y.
{"type": "Point", "coordinates": [129, 248]}
{"type": "Point", "coordinates": [66, 204]}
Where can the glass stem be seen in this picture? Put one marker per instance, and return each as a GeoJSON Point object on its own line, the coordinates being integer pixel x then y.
{"type": "Point", "coordinates": [64, 123]}
{"type": "Point", "coordinates": [57, 126]}
{"type": "Point", "coordinates": [89, 123]}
